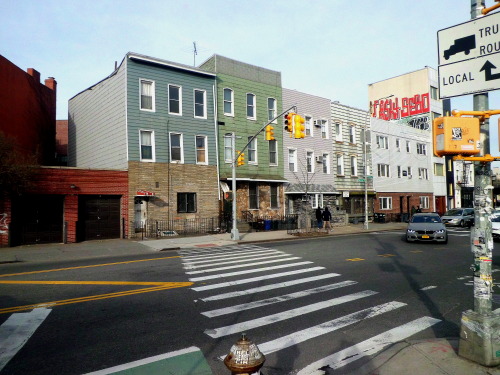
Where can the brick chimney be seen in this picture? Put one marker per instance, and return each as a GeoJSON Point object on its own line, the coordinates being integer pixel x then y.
{"type": "Point", "coordinates": [51, 83]}
{"type": "Point", "coordinates": [35, 74]}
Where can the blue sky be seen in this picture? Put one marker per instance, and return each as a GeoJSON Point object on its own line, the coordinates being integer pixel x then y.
{"type": "Point", "coordinates": [329, 48]}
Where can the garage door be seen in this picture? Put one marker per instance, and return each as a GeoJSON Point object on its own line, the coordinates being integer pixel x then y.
{"type": "Point", "coordinates": [98, 217]}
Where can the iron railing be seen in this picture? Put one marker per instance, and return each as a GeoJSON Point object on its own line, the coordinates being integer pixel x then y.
{"type": "Point", "coordinates": [178, 227]}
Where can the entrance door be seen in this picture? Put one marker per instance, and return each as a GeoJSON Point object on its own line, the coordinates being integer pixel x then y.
{"type": "Point", "coordinates": [99, 217]}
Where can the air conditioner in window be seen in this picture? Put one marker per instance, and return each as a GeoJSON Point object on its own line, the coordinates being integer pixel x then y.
{"type": "Point", "coordinates": [317, 123]}
{"type": "Point", "coordinates": [305, 198]}
{"type": "Point", "coordinates": [319, 159]}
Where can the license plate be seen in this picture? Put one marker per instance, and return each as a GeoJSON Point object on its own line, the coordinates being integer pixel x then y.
{"type": "Point", "coordinates": [425, 236]}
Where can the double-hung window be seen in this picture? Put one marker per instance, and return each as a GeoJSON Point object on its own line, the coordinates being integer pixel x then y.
{"type": "Point", "coordinates": [326, 163]}
{"type": "Point", "coordinates": [352, 134]}
{"type": "Point", "coordinates": [424, 202]}
{"type": "Point", "coordinates": [201, 149]}
{"type": "Point", "coordinates": [176, 152]}
{"type": "Point", "coordinates": [408, 148]}
{"type": "Point", "coordinates": [147, 145]}
{"type": "Point", "coordinates": [324, 129]}
{"type": "Point", "coordinates": [383, 170]}
{"type": "Point", "coordinates": [186, 202]}
{"type": "Point", "coordinates": [338, 132]}
{"type": "Point", "coordinates": [251, 107]}
{"type": "Point", "coordinates": [310, 161]}
{"type": "Point", "coordinates": [382, 142]}
{"type": "Point", "coordinates": [147, 95]}
{"type": "Point", "coordinates": [252, 150]}
{"type": "Point", "coordinates": [271, 110]}
{"type": "Point", "coordinates": [273, 152]}
{"type": "Point", "coordinates": [354, 166]}
{"type": "Point", "coordinates": [200, 107]}
{"type": "Point", "coordinates": [228, 149]}
{"type": "Point", "coordinates": [398, 144]}
{"type": "Point", "coordinates": [309, 126]}
{"type": "Point", "coordinates": [421, 149]}
{"type": "Point", "coordinates": [175, 100]}
{"type": "Point", "coordinates": [228, 102]}
{"type": "Point", "coordinates": [385, 203]}
{"type": "Point", "coordinates": [423, 173]}
{"type": "Point", "coordinates": [292, 160]}
{"type": "Point", "coordinates": [340, 165]}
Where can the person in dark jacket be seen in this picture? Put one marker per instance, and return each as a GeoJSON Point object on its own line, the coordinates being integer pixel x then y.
{"type": "Point", "coordinates": [327, 217]}
{"type": "Point", "coordinates": [319, 218]}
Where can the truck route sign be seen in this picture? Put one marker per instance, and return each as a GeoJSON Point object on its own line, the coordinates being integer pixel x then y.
{"type": "Point", "coordinates": [469, 58]}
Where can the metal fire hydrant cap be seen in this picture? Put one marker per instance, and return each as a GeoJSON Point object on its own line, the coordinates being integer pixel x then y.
{"type": "Point", "coordinates": [244, 357]}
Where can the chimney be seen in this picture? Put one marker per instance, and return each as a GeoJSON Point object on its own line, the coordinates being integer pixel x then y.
{"type": "Point", "coordinates": [35, 74]}
{"type": "Point", "coordinates": [51, 83]}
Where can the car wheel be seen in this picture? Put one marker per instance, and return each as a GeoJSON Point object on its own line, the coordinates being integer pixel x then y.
{"type": "Point", "coordinates": [462, 223]}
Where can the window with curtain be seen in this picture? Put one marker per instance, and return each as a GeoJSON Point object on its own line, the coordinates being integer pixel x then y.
{"type": "Point", "coordinates": [146, 140]}
{"type": "Point", "coordinates": [147, 95]}
{"type": "Point", "coordinates": [174, 99]}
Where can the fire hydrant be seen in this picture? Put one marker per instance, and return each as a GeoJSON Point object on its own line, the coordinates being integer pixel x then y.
{"type": "Point", "coordinates": [244, 358]}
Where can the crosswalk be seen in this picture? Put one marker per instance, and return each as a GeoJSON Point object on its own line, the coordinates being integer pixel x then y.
{"type": "Point", "coordinates": [262, 287]}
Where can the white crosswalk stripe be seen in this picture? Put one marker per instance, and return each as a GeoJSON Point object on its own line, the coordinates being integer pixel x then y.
{"type": "Point", "coordinates": [241, 265]}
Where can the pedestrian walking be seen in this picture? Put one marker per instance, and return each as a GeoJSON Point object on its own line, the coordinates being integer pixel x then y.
{"type": "Point", "coordinates": [319, 218]}
{"type": "Point", "coordinates": [327, 217]}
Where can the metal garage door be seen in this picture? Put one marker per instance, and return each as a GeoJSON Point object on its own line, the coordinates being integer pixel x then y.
{"type": "Point", "coordinates": [99, 217]}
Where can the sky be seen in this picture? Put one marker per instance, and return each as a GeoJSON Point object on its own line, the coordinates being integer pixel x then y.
{"type": "Point", "coordinates": [329, 48]}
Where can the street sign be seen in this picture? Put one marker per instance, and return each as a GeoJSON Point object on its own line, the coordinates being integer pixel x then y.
{"type": "Point", "coordinates": [361, 180]}
{"type": "Point", "coordinates": [469, 57]}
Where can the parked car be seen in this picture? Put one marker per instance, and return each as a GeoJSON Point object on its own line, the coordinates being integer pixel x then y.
{"type": "Point", "coordinates": [426, 227]}
{"type": "Point", "coordinates": [461, 217]}
{"type": "Point", "coordinates": [495, 226]}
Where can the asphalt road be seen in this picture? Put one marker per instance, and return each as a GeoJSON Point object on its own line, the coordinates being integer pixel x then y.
{"type": "Point", "coordinates": [299, 301]}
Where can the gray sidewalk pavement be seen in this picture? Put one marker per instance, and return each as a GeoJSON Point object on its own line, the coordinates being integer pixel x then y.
{"type": "Point", "coordinates": [426, 357]}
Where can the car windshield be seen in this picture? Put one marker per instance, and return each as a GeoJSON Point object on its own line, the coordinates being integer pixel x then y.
{"type": "Point", "coordinates": [454, 212]}
{"type": "Point", "coordinates": [426, 219]}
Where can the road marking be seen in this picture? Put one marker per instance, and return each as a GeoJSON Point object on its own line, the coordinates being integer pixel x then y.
{"type": "Point", "coordinates": [164, 286]}
{"type": "Point", "coordinates": [272, 300]}
{"type": "Point", "coordinates": [17, 330]}
{"type": "Point", "coordinates": [54, 282]}
{"type": "Point", "coordinates": [369, 347]}
{"type": "Point", "coordinates": [253, 279]}
{"type": "Point", "coordinates": [355, 259]}
{"type": "Point", "coordinates": [215, 259]}
{"type": "Point", "coordinates": [265, 288]}
{"type": "Point", "coordinates": [416, 251]}
{"type": "Point", "coordinates": [327, 327]}
{"type": "Point", "coordinates": [386, 255]}
{"type": "Point", "coordinates": [79, 267]}
{"type": "Point", "coordinates": [233, 255]}
{"type": "Point", "coordinates": [238, 273]}
{"type": "Point", "coordinates": [269, 319]}
{"type": "Point", "coordinates": [429, 287]}
{"type": "Point", "coordinates": [241, 265]}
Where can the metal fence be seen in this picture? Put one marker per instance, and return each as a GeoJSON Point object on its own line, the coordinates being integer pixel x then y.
{"type": "Point", "coordinates": [179, 227]}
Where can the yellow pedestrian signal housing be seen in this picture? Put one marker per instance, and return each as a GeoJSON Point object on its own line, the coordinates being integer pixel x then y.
{"type": "Point", "coordinates": [241, 159]}
{"type": "Point", "coordinates": [289, 122]}
{"type": "Point", "coordinates": [299, 128]}
{"type": "Point", "coordinates": [456, 135]}
{"type": "Point", "coordinates": [269, 133]}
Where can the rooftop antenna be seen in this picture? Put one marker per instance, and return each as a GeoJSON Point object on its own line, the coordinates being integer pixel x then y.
{"type": "Point", "coordinates": [195, 52]}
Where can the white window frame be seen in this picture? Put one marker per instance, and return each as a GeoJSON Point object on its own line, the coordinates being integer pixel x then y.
{"type": "Point", "coordinates": [252, 147]}
{"type": "Point", "coordinates": [253, 105]}
{"type": "Point", "coordinates": [228, 146]}
{"type": "Point", "coordinates": [338, 131]}
{"type": "Point", "coordinates": [230, 101]}
{"type": "Point", "coordinates": [408, 147]}
{"type": "Point", "coordinates": [180, 100]}
{"type": "Point", "coordinates": [317, 200]}
{"type": "Point", "coordinates": [292, 157]}
{"type": "Point", "coordinates": [409, 172]}
{"type": "Point", "coordinates": [382, 142]}
{"type": "Point", "coordinates": [352, 134]}
{"type": "Point", "coordinates": [204, 92]}
{"type": "Point", "coordinates": [153, 156]}
{"type": "Point", "coordinates": [272, 111]}
{"type": "Point", "coordinates": [340, 165]}
{"type": "Point", "coordinates": [275, 142]}
{"type": "Point", "coordinates": [398, 145]}
{"type": "Point", "coordinates": [153, 97]}
{"type": "Point", "coordinates": [205, 142]}
{"type": "Point", "coordinates": [310, 161]}
{"type": "Point", "coordinates": [354, 165]}
{"type": "Point", "coordinates": [326, 162]}
{"type": "Point", "coordinates": [324, 129]}
{"type": "Point", "coordinates": [385, 203]}
{"type": "Point", "coordinates": [424, 202]}
{"type": "Point", "coordinates": [181, 141]}
{"type": "Point", "coordinates": [399, 171]}
{"type": "Point", "coordinates": [439, 169]}
{"type": "Point", "coordinates": [383, 170]}
{"type": "Point", "coordinates": [421, 149]}
{"type": "Point", "coordinates": [423, 173]}
{"type": "Point", "coordinates": [308, 124]}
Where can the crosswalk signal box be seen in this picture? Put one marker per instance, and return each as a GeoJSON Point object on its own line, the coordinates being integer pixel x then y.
{"type": "Point", "coordinates": [456, 135]}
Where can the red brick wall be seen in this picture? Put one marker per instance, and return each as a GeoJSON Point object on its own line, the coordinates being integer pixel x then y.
{"type": "Point", "coordinates": [62, 137]}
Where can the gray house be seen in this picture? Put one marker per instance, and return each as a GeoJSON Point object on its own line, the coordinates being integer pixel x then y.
{"type": "Point", "coordinates": [156, 119]}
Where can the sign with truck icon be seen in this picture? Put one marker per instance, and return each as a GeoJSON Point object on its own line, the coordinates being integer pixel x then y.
{"type": "Point", "coordinates": [465, 45]}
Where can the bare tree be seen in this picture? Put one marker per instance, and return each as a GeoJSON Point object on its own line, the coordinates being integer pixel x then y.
{"type": "Point", "coordinates": [304, 179]}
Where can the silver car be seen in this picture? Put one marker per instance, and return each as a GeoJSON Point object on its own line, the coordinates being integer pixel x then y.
{"type": "Point", "coordinates": [462, 217]}
{"type": "Point", "coordinates": [426, 227]}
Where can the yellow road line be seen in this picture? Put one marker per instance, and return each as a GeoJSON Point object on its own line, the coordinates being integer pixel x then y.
{"type": "Point", "coordinates": [83, 282]}
{"type": "Point", "coordinates": [95, 297]}
{"type": "Point", "coordinates": [94, 265]}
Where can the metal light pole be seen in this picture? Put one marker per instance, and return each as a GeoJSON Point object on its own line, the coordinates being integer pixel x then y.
{"type": "Point", "coordinates": [235, 234]}
{"type": "Point", "coordinates": [365, 162]}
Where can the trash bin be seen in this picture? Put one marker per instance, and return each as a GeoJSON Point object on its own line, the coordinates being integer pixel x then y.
{"type": "Point", "coordinates": [267, 224]}
{"type": "Point", "coordinates": [381, 218]}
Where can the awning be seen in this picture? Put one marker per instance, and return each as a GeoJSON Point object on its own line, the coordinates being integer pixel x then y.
{"type": "Point", "coordinates": [144, 193]}
{"type": "Point", "coordinates": [225, 187]}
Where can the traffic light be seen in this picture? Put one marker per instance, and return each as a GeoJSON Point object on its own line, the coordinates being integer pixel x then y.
{"type": "Point", "coordinates": [289, 122]}
{"type": "Point", "coordinates": [299, 127]}
{"type": "Point", "coordinates": [241, 159]}
{"type": "Point", "coordinates": [456, 135]}
{"type": "Point", "coordinates": [269, 133]}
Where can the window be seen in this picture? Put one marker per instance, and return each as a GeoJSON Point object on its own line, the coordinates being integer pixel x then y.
{"type": "Point", "coordinates": [274, 196]}
{"type": "Point", "coordinates": [317, 200]}
{"type": "Point", "coordinates": [201, 149]}
{"type": "Point", "coordinates": [326, 163]}
{"type": "Point", "coordinates": [309, 126]}
{"type": "Point", "coordinates": [340, 165]}
{"type": "Point", "coordinates": [292, 160]}
{"type": "Point", "coordinates": [434, 93]}
{"type": "Point", "coordinates": [324, 129]}
{"type": "Point", "coordinates": [186, 202]}
{"type": "Point", "coordinates": [399, 171]}
{"type": "Point", "coordinates": [273, 152]}
{"type": "Point", "coordinates": [251, 106]}
{"type": "Point", "coordinates": [271, 109]}
{"type": "Point", "coordinates": [174, 99]}
{"type": "Point", "coordinates": [383, 170]}
{"type": "Point", "coordinates": [354, 166]}
{"type": "Point", "coordinates": [338, 132]}
{"type": "Point", "coordinates": [398, 144]}
{"type": "Point", "coordinates": [421, 149]}
{"type": "Point", "coordinates": [409, 172]}
{"type": "Point", "coordinates": [200, 108]}
{"type": "Point", "coordinates": [253, 196]}
{"type": "Point", "coordinates": [176, 154]}
{"type": "Point", "coordinates": [424, 202]}
{"type": "Point", "coordinates": [147, 95]}
{"type": "Point", "coordinates": [352, 134]}
{"type": "Point", "coordinates": [310, 161]}
{"type": "Point", "coordinates": [382, 142]}
{"type": "Point", "coordinates": [228, 149]}
{"type": "Point", "coordinates": [147, 145]}
{"type": "Point", "coordinates": [385, 203]}
{"type": "Point", "coordinates": [438, 169]}
{"type": "Point", "coordinates": [252, 150]}
{"type": "Point", "coordinates": [423, 173]}
{"type": "Point", "coordinates": [408, 149]}
{"type": "Point", "coordinates": [228, 102]}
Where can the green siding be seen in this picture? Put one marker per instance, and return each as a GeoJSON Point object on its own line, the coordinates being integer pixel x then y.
{"type": "Point", "coordinates": [163, 123]}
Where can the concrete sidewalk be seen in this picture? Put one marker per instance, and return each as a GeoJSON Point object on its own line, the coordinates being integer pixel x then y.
{"type": "Point", "coordinates": [427, 357]}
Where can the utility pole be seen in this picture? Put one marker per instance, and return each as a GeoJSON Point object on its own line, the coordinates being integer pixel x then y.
{"type": "Point", "coordinates": [235, 234]}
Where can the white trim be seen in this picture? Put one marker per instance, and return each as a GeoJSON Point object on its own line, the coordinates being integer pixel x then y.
{"type": "Point", "coordinates": [204, 116]}
{"type": "Point", "coordinates": [180, 99]}
{"type": "Point", "coordinates": [254, 106]}
{"type": "Point", "coordinates": [256, 161]}
{"type": "Point", "coordinates": [196, 149]}
{"type": "Point", "coordinates": [153, 98]}
{"type": "Point", "coordinates": [170, 147]}
{"type": "Point", "coordinates": [275, 110]}
{"type": "Point", "coordinates": [153, 153]}
{"type": "Point", "coordinates": [276, 152]}
{"type": "Point", "coordinates": [231, 114]}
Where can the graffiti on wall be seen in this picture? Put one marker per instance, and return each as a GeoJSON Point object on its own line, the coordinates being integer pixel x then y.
{"type": "Point", "coordinates": [4, 227]}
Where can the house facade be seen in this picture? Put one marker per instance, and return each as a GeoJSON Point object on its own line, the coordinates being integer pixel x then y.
{"type": "Point", "coordinates": [352, 160]}
{"type": "Point", "coordinates": [308, 161]}
{"type": "Point", "coordinates": [155, 119]}
{"type": "Point", "coordinates": [249, 97]}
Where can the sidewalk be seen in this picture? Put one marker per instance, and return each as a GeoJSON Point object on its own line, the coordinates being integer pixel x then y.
{"type": "Point", "coordinates": [426, 357]}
